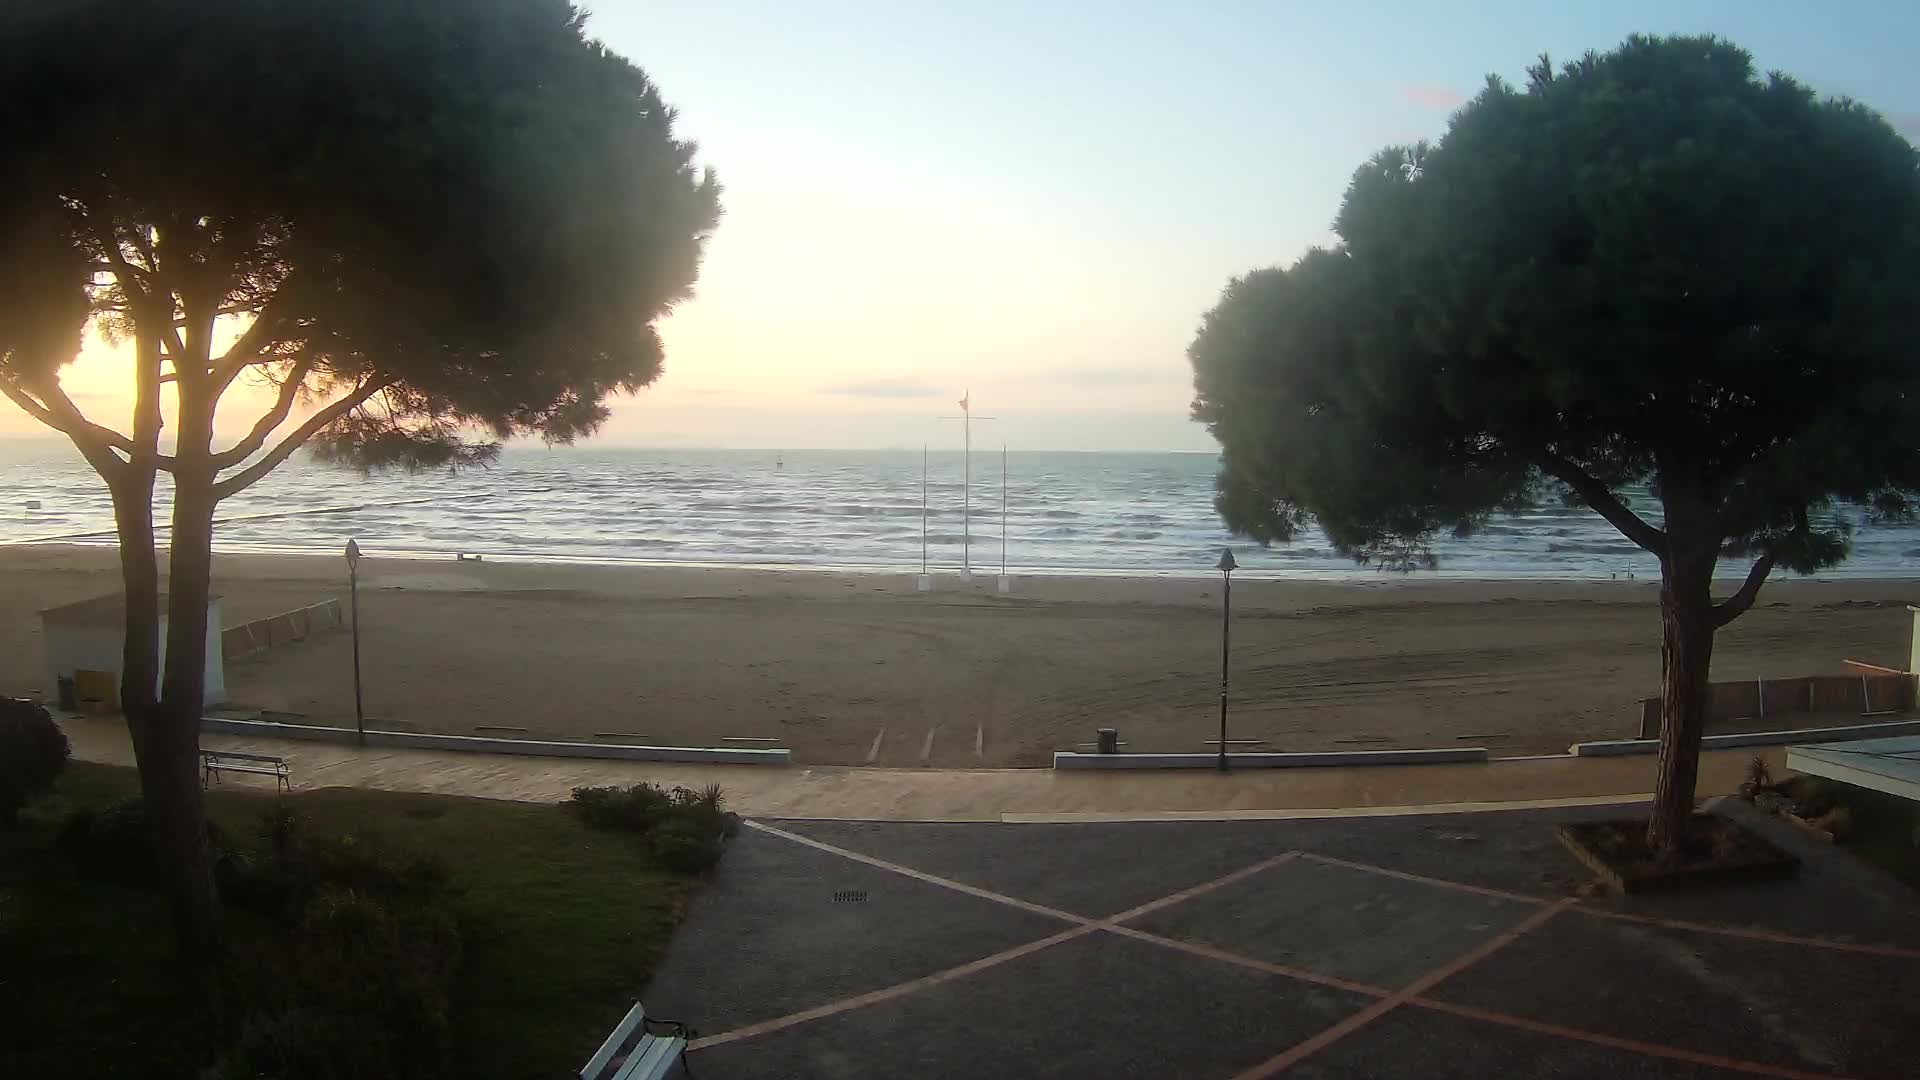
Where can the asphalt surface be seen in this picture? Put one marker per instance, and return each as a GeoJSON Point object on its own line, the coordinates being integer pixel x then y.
{"type": "Point", "coordinates": [1385, 947]}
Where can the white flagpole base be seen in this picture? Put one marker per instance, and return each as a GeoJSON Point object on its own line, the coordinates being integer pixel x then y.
{"type": "Point", "coordinates": [923, 583]}
{"type": "Point", "coordinates": [1005, 584]}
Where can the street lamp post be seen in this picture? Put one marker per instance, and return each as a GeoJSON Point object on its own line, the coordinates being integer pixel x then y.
{"type": "Point", "coordinates": [1226, 566]}
{"type": "Point", "coordinates": [353, 593]}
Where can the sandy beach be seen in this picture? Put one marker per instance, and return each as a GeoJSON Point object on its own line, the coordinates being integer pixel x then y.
{"type": "Point", "coordinates": [860, 669]}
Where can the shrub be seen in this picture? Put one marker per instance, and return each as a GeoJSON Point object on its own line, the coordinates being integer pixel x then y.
{"type": "Point", "coordinates": [631, 809]}
{"type": "Point", "coordinates": [297, 866]}
{"type": "Point", "coordinates": [1837, 822]}
{"type": "Point", "coordinates": [116, 843]}
{"type": "Point", "coordinates": [33, 753]}
{"type": "Point", "coordinates": [686, 845]}
{"type": "Point", "coordinates": [362, 991]}
{"type": "Point", "coordinates": [683, 827]}
{"type": "Point", "coordinates": [307, 1044]}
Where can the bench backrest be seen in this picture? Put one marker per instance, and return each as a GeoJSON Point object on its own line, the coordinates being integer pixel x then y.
{"type": "Point", "coordinates": [630, 1031]}
{"type": "Point", "coordinates": [236, 755]}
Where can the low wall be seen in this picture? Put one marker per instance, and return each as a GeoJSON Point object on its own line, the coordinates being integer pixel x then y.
{"type": "Point", "coordinates": [256, 637]}
{"type": "Point", "coordinates": [1616, 747]}
{"type": "Point", "coordinates": [1063, 759]}
{"type": "Point", "coordinates": [474, 744]}
{"type": "Point", "coordinates": [1757, 699]}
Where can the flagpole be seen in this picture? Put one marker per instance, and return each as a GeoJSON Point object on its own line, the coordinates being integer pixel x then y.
{"type": "Point", "coordinates": [1003, 511]}
{"type": "Point", "coordinates": [966, 496]}
{"type": "Point", "coordinates": [966, 419]}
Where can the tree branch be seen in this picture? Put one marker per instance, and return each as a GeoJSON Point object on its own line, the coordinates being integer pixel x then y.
{"type": "Point", "coordinates": [1736, 605]}
{"type": "Point", "coordinates": [1603, 502]}
{"type": "Point", "coordinates": [246, 478]}
{"type": "Point", "coordinates": [274, 417]}
{"type": "Point", "coordinates": [94, 442]}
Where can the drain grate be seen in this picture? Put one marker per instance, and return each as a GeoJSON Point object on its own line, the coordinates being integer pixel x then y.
{"type": "Point", "coordinates": [850, 896]}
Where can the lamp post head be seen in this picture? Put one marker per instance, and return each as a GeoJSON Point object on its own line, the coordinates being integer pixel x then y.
{"type": "Point", "coordinates": [353, 553]}
{"type": "Point", "coordinates": [1226, 564]}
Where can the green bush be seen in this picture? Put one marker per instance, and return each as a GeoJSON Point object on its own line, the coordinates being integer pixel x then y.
{"type": "Point", "coordinates": [686, 845]}
{"type": "Point", "coordinates": [630, 809]}
{"type": "Point", "coordinates": [297, 865]}
{"type": "Point", "coordinates": [308, 1044]}
{"type": "Point", "coordinates": [362, 991]}
{"type": "Point", "coordinates": [115, 842]}
{"type": "Point", "coordinates": [683, 827]}
{"type": "Point", "coordinates": [33, 753]}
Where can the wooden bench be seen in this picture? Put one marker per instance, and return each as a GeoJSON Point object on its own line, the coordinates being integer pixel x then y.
{"type": "Point", "coordinates": [215, 762]}
{"type": "Point", "coordinates": [634, 1052]}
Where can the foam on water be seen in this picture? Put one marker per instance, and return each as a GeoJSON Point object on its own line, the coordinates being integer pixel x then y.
{"type": "Point", "coordinates": [1129, 513]}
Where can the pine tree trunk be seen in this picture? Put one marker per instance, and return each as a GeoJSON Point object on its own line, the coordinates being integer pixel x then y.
{"type": "Point", "coordinates": [179, 815]}
{"type": "Point", "coordinates": [1686, 657]}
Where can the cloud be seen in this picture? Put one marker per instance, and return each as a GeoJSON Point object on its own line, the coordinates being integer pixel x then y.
{"type": "Point", "coordinates": [1431, 96]}
{"type": "Point", "coordinates": [883, 388]}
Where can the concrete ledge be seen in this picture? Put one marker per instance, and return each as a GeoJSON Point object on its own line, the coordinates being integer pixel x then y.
{"type": "Point", "coordinates": [1617, 747]}
{"type": "Point", "coordinates": [1063, 759]}
{"type": "Point", "coordinates": [473, 744]}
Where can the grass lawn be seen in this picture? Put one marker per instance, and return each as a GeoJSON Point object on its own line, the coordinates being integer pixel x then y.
{"type": "Point", "coordinates": [563, 925]}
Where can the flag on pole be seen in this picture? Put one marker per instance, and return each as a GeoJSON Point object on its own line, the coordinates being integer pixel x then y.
{"type": "Point", "coordinates": [964, 407]}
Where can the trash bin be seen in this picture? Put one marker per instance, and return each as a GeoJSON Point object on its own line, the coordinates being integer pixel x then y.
{"type": "Point", "coordinates": [69, 699]}
{"type": "Point", "coordinates": [1109, 740]}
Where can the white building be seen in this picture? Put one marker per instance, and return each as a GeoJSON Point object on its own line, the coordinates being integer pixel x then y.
{"type": "Point", "coordinates": [89, 636]}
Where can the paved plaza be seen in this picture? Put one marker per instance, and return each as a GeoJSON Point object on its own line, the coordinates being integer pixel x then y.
{"type": "Point", "coordinates": [1425, 947]}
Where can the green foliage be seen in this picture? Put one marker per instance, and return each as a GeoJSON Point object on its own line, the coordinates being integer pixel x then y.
{"type": "Point", "coordinates": [637, 808]}
{"type": "Point", "coordinates": [558, 930]}
{"type": "Point", "coordinates": [683, 828]}
{"type": "Point", "coordinates": [299, 865]}
{"type": "Point", "coordinates": [686, 846]}
{"type": "Point", "coordinates": [33, 753]}
{"type": "Point", "coordinates": [116, 842]}
{"type": "Point", "coordinates": [468, 199]}
{"type": "Point", "coordinates": [1650, 266]}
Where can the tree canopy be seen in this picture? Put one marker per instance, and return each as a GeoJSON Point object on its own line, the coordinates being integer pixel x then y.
{"type": "Point", "coordinates": [430, 215]}
{"type": "Point", "coordinates": [1648, 266]}
{"type": "Point", "coordinates": [435, 223]}
{"type": "Point", "coordinates": [1651, 266]}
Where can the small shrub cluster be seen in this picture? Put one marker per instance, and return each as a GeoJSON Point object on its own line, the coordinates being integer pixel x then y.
{"type": "Point", "coordinates": [33, 753]}
{"type": "Point", "coordinates": [296, 865]}
{"type": "Point", "coordinates": [361, 988]}
{"type": "Point", "coordinates": [114, 841]}
{"type": "Point", "coordinates": [683, 828]}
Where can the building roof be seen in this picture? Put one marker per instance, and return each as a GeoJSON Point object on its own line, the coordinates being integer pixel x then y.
{"type": "Point", "coordinates": [108, 610]}
{"type": "Point", "coordinates": [1889, 765]}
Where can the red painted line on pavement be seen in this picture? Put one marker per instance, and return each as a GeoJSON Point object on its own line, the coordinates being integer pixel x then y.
{"type": "Point", "coordinates": [1402, 875]}
{"type": "Point", "coordinates": [1751, 933]}
{"type": "Point", "coordinates": [1204, 887]}
{"type": "Point", "coordinates": [1301, 1051]}
{"type": "Point", "coordinates": [1084, 927]}
{"type": "Point", "coordinates": [1225, 957]}
{"type": "Point", "coordinates": [1635, 1046]}
{"type": "Point", "coordinates": [918, 875]}
{"type": "Point", "coordinates": [860, 1001]}
{"type": "Point", "coordinates": [1756, 934]}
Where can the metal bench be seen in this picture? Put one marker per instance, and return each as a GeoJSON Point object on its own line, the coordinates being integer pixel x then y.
{"type": "Point", "coordinates": [215, 762]}
{"type": "Point", "coordinates": [634, 1052]}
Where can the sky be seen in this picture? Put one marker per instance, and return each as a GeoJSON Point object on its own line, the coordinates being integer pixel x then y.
{"type": "Point", "coordinates": [1035, 202]}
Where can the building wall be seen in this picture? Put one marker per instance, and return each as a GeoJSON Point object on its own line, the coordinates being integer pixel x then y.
{"type": "Point", "coordinates": [74, 647]}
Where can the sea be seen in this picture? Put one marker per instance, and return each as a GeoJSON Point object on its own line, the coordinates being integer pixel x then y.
{"type": "Point", "coordinates": [876, 510]}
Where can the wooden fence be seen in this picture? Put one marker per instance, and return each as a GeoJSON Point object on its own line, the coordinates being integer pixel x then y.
{"type": "Point", "coordinates": [256, 637]}
{"type": "Point", "coordinates": [1758, 704]}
